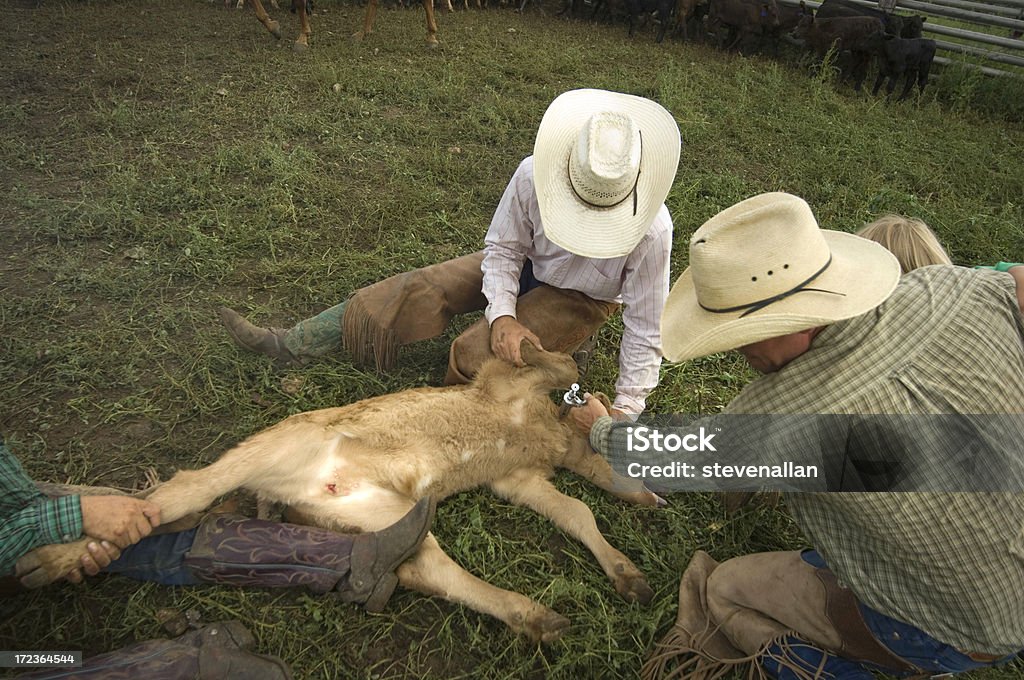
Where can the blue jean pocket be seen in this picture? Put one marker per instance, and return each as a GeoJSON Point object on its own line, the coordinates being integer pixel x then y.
{"type": "Point", "coordinates": [916, 646]}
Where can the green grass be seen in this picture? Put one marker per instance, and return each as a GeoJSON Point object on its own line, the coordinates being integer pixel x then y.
{"type": "Point", "coordinates": [160, 160]}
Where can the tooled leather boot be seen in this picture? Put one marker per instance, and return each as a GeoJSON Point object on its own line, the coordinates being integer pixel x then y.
{"type": "Point", "coordinates": [250, 552]}
{"type": "Point", "coordinates": [267, 341]}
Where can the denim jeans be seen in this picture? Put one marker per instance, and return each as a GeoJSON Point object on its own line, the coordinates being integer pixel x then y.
{"type": "Point", "coordinates": [902, 639]}
{"type": "Point", "coordinates": [527, 281]}
{"type": "Point", "coordinates": [160, 559]}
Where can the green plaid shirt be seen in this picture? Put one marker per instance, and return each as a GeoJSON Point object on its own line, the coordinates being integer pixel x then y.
{"type": "Point", "coordinates": [28, 519]}
{"type": "Point", "coordinates": [948, 340]}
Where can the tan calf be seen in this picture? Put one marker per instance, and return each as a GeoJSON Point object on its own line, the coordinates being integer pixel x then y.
{"type": "Point", "coordinates": [365, 465]}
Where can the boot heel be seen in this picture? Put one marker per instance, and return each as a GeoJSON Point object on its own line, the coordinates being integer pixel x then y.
{"type": "Point", "coordinates": [381, 593]}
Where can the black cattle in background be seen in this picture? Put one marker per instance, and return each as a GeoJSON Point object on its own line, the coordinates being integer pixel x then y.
{"type": "Point", "coordinates": [901, 57]}
{"type": "Point", "coordinates": [843, 34]}
{"type": "Point", "coordinates": [895, 25]}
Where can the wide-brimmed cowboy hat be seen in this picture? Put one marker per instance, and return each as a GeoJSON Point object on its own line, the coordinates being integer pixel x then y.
{"type": "Point", "coordinates": [603, 164]}
{"type": "Point", "coordinates": [764, 268]}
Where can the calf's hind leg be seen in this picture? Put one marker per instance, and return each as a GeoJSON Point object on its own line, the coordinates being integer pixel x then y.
{"type": "Point", "coordinates": [188, 492]}
{"type": "Point", "coordinates": [575, 518]}
{"type": "Point", "coordinates": [433, 572]}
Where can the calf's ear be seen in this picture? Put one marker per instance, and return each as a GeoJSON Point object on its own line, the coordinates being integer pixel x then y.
{"type": "Point", "coordinates": [529, 351]}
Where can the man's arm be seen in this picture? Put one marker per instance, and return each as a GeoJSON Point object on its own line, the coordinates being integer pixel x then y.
{"type": "Point", "coordinates": [1016, 270]}
{"type": "Point", "coordinates": [51, 520]}
{"type": "Point", "coordinates": [28, 519]}
{"type": "Point", "coordinates": [120, 520]}
{"type": "Point", "coordinates": [506, 246]}
{"type": "Point", "coordinates": [644, 291]}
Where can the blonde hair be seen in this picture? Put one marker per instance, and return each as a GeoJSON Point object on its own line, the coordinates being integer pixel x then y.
{"type": "Point", "coordinates": [911, 240]}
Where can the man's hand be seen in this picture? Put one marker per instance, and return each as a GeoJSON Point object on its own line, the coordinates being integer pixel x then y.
{"type": "Point", "coordinates": [506, 336]}
{"type": "Point", "coordinates": [585, 416]}
{"type": "Point", "coordinates": [121, 520]}
{"type": "Point", "coordinates": [99, 557]}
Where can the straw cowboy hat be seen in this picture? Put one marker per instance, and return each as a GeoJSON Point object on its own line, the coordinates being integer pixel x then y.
{"type": "Point", "coordinates": [763, 268]}
{"type": "Point", "coordinates": [603, 164]}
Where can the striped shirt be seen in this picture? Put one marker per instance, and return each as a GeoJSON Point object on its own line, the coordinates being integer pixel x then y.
{"type": "Point", "coordinates": [28, 519]}
{"type": "Point", "coordinates": [639, 280]}
{"type": "Point", "coordinates": [948, 340]}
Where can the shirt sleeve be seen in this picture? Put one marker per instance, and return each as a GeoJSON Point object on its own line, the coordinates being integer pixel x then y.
{"type": "Point", "coordinates": [999, 266]}
{"type": "Point", "coordinates": [28, 519]}
{"type": "Point", "coordinates": [644, 290]}
{"type": "Point", "coordinates": [507, 244]}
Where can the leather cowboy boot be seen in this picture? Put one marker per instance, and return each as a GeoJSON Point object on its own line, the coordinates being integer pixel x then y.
{"type": "Point", "coordinates": [376, 556]}
{"type": "Point", "coordinates": [218, 651]}
{"type": "Point", "coordinates": [252, 552]}
{"type": "Point", "coordinates": [268, 341]}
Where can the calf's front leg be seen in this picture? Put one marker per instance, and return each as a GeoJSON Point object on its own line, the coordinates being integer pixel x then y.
{"type": "Point", "coordinates": [433, 572]}
{"type": "Point", "coordinates": [594, 468]}
{"type": "Point", "coordinates": [532, 489]}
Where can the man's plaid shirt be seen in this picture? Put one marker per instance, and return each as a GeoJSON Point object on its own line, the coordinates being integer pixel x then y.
{"type": "Point", "coordinates": [28, 519]}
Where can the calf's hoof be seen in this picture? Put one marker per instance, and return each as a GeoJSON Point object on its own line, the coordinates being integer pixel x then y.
{"type": "Point", "coordinates": [300, 48]}
{"type": "Point", "coordinates": [543, 625]}
{"type": "Point", "coordinates": [632, 586]}
{"type": "Point", "coordinates": [43, 566]}
{"type": "Point", "coordinates": [275, 29]}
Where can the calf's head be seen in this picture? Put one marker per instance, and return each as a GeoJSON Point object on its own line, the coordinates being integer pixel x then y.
{"type": "Point", "coordinates": [913, 26]}
{"type": "Point", "coordinates": [544, 371]}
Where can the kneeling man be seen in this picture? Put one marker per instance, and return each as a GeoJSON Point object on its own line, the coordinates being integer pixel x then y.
{"type": "Point", "coordinates": [908, 583]}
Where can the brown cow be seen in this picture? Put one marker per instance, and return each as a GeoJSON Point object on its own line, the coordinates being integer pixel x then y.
{"type": "Point", "coordinates": [305, 7]}
{"type": "Point", "coordinates": [301, 7]}
{"type": "Point", "coordinates": [366, 464]}
{"type": "Point", "coordinates": [371, 13]}
{"type": "Point", "coordinates": [744, 18]}
{"type": "Point", "coordinates": [687, 11]}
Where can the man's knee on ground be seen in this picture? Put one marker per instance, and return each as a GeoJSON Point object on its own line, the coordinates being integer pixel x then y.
{"type": "Point", "coordinates": [727, 588]}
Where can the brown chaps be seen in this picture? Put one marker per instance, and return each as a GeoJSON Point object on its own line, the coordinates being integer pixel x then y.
{"type": "Point", "coordinates": [731, 613]}
{"type": "Point", "coordinates": [418, 305]}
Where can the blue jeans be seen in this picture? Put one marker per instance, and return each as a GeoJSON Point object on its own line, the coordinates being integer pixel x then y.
{"type": "Point", "coordinates": [902, 639]}
{"type": "Point", "coordinates": [160, 559]}
{"type": "Point", "coordinates": [527, 281]}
